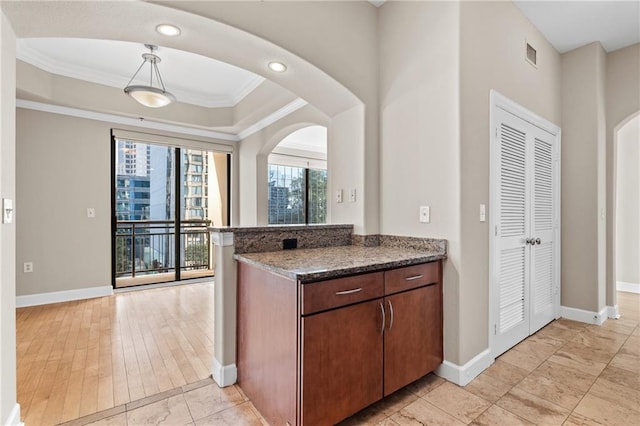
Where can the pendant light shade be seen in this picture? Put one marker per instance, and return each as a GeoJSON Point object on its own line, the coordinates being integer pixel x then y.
{"type": "Point", "coordinates": [150, 96]}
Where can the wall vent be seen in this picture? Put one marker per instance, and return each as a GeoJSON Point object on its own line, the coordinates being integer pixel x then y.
{"type": "Point", "coordinates": [531, 54]}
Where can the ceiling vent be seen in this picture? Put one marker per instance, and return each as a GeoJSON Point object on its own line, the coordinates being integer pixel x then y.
{"type": "Point", "coordinates": [531, 55]}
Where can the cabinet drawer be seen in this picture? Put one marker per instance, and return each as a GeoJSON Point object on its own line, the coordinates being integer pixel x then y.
{"type": "Point", "coordinates": [329, 294]}
{"type": "Point", "coordinates": [410, 277]}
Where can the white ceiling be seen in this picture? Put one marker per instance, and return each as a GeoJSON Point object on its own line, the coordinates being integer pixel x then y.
{"type": "Point", "coordinates": [571, 24]}
{"type": "Point", "coordinates": [211, 83]}
{"type": "Point", "coordinates": [204, 81]}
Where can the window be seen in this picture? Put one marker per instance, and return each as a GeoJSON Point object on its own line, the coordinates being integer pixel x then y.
{"type": "Point", "coordinates": [317, 196]}
{"type": "Point", "coordinates": [297, 195]}
{"type": "Point", "coordinates": [162, 212]}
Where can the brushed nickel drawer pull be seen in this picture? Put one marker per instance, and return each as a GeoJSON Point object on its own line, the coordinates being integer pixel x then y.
{"type": "Point", "coordinates": [384, 319]}
{"type": "Point", "coordinates": [415, 277]}
{"type": "Point", "coordinates": [391, 312]}
{"type": "Point", "coordinates": [355, 290]}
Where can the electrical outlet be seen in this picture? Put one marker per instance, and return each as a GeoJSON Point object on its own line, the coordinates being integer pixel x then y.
{"type": "Point", "coordinates": [27, 267]}
{"type": "Point", "coordinates": [91, 212]}
{"type": "Point", "coordinates": [339, 196]}
{"type": "Point", "coordinates": [425, 214]}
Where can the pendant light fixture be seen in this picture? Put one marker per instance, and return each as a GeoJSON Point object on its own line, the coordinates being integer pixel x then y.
{"type": "Point", "coordinates": [150, 96]}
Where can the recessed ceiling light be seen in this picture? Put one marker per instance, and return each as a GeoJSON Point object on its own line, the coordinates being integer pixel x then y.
{"type": "Point", "coordinates": [168, 30]}
{"type": "Point", "coordinates": [277, 66]}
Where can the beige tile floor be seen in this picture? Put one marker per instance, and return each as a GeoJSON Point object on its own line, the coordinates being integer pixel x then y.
{"type": "Point", "coordinates": [569, 373]}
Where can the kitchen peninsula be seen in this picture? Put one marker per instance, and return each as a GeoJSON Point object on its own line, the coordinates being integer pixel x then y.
{"type": "Point", "coordinates": [330, 327]}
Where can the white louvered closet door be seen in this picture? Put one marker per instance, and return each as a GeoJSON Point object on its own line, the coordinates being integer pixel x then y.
{"type": "Point", "coordinates": [511, 268]}
{"type": "Point", "coordinates": [542, 250]}
{"type": "Point", "coordinates": [524, 270]}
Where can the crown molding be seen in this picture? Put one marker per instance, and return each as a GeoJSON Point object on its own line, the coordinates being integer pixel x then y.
{"type": "Point", "coordinates": [27, 54]}
{"type": "Point", "coordinates": [119, 119]}
{"type": "Point", "coordinates": [272, 118]}
{"type": "Point", "coordinates": [249, 87]}
{"type": "Point", "coordinates": [174, 128]}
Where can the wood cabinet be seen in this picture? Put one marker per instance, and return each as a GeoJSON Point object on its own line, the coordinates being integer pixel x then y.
{"type": "Point", "coordinates": [341, 362]}
{"type": "Point", "coordinates": [267, 342]}
{"type": "Point", "coordinates": [350, 342]}
{"type": "Point", "coordinates": [413, 339]}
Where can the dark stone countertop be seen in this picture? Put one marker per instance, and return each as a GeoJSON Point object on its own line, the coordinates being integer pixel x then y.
{"type": "Point", "coordinates": [317, 264]}
{"type": "Point", "coordinates": [278, 228]}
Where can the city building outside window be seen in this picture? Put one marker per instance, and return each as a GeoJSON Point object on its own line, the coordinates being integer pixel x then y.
{"type": "Point", "coordinates": [297, 195]}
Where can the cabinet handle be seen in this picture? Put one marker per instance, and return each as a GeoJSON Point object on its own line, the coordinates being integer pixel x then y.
{"type": "Point", "coordinates": [391, 313]}
{"type": "Point", "coordinates": [415, 277]}
{"type": "Point", "coordinates": [383, 318]}
{"type": "Point", "coordinates": [355, 290]}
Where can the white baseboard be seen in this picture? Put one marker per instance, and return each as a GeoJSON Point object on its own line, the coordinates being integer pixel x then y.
{"type": "Point", "coordinates": [14, 417]}
{"type": "Point", "coordinates": [462, 375]}
{"type": "Point", "coordinates": [62, 296]}
{"type": "Point", "coordinates": [589, 317]}
{"type": "Point", "coordinates": [613, 312]}
{"type": "Point", "coordinates": [225, 375]}
{"type": "Point", "coordinates": [628, 287]}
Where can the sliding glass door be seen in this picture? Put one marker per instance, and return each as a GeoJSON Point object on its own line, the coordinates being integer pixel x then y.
{"type": "Point", "coordinates": [164, 199]}
{"type": "Point", "coordinates": [204, 184]}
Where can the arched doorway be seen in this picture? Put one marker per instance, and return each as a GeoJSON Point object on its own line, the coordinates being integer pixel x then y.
{"type": "Point", "coordinates": [627, 206]}
{"type": "Point", "coordinates": [297, 178]}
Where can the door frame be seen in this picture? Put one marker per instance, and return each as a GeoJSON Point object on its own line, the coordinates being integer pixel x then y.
{"type": "Point", "coordinates": [179, 144]}
{"type": "Point", "coordinates": [497, 101]}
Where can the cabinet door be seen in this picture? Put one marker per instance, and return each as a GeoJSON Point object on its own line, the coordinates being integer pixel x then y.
{"type": "Point", "coordinates": [341, 362]}
{"type": "Point", "coordinates": [413, 338]}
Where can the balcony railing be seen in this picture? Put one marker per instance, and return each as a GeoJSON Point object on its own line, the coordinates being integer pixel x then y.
{"type": "Point", "coordinates": [145, 247]}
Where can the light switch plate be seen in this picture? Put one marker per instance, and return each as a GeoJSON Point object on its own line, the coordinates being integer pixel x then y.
{"type": "Point", "coordinates": [7, 210]}
{"type": "Point", "coordinates": [425, 214]}
{"type": "Point", "coordinates": [352, 196]}
{"type": "Point", "coordinates": [91, 212]}
{"type": "Point", "coordinates": [483, 213]}
{"type": "Point", "coordinates": [339, 196]}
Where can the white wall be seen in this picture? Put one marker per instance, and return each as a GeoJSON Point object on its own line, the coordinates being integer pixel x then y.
{"type": "Point", "coordinates": [253, 155]}
{"type": "Point", "coordinates": [628, 203]}
{"type": "Point", "coordinates": [339, 38]}
{"type": "Point", "coordinates": [346, 138]}
{"type": "Point", "coordinates": [583, 178]}
{"type": "Point", "coordinates": [623, 102]}
{"type": "Point", "coordinates": [8, 395]}
{"type": "Point", "coordinates": [332, 58]}
{"type": "Point", "coordinates": [63, 167]}
{"type": "Point", "coordinates": [420, 140]}
{"type": "Point", "coordinates": [438, 63]}
{"type": "Point", "coordinates": [492, 52]}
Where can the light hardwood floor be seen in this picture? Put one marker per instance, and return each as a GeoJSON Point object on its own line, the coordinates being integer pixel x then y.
{"type": "Point", "coordinates": [78, 358]}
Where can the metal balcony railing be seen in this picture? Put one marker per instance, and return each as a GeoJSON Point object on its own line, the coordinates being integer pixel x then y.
{"type": "Point", "coordinates": [146, 247]}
